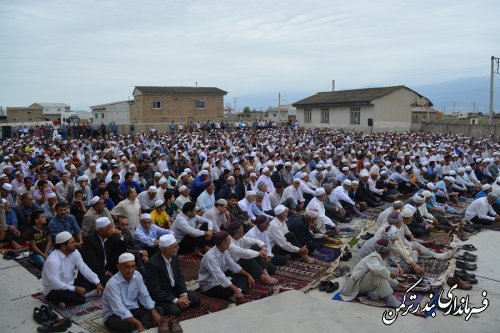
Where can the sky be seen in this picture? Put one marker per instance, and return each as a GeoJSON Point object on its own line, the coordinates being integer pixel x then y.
{"type": "Point", "coordinates": [89, 52]}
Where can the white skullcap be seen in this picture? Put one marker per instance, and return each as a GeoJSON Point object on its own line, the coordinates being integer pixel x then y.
{"type": "Point", "coordinates": [355, 182]}
{"type": "Point", "coordinates": [452, 173]}
{"type": "Point", "coordinates": [266, 169]}
{"type": "Point", "coordinates": [280, 209]}
{"type": "Point", "coordinates": [408, 167]}
{"type": "Point", "coordinates": [187, 170]}
{"type": "Point", "coordinates": [63, 237]}
{"type": "Point", "coordinates": [94, 200]}
{"type": "Point", "coordinates": [311, 213]}
{"type": "Point", "coordinates": [427, 194]}
{"type": "Point", "coordinates": [159, 203]}
{"type": "Point", "coordinates": [145, 216]}
{"type": "Point", "coordinates": [486, 187]}
{"type": "Point", "coordinates": [167, 240]}
{"type": "Point", "coordinates": [388, 163]}
{"type": "Point", "coordinates": [162, 181]}
{"type": "Point", "coordinates": [390, 232]}
{"type": "Point", "coordinates": [410, 210]}
{"type": "Point", "coordinates": [183, 174]}
{"type": "Point", "coordinates": [157, 174]}
{"type": "Point", "coordinates": [418, 199]}
{"type": "Point", "coordinates": [296, 180]}
{"type": "Point", "coordinates": [51, 195]}
{"type": "Point", "coordinates": [319, 191]}
{"type": "Point", "coordinates": [345, 169]}
{"type": "Point", "coordinates": [288, 164]}
{"type": "Point", "coordinates": [431, 186]}
{"type": "Point", "coordinates": [102, 222]}
{"type": "Point", "coordinates": [204, 172]}
{"type": "Point", "coordinates": [383, 172]}
{"type": "Point", "coordinates": [303, 175]}
{"type": "Point", "coordinates": [460, 170]}
{"type": "Point", "coordinates": [152, 189]}
{"type": "Point", "coordinates": [450, 179]}
{"type": "Point", "coordinates": [124, 257]}
{"type": "Point", "coordinates": [251, 193]}
{"type": "Point", "coordinates": [222, 202]}
{"type": "Point", "coordinates": [319, 166]}
{"type": "Point", "coordinates": [253, 174]}
{"type": "Point", "coordinates": [7, 187]}
{"type": "Point", "coordinates": [364, 173]}
{"type": "Point", "coordinates": [468, 168]}
{"type": "Point", "coordinates": [183, 188]}
{"type": "Point", "coordinates": [347, 182]}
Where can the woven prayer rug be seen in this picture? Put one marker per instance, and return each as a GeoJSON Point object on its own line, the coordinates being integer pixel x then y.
{"type": "Point", "coordinates": [189, 266]}
{"type": "Point", "coordinates": [433, 268]}
{"type": "Point", "coordinates": [299, 275]}
{"type": "Point", "coordinates": [28, 264]}
{"type": "Point", "coordinates": [440, 238]}
{"type": "Point", "coordinates": [8, 248]}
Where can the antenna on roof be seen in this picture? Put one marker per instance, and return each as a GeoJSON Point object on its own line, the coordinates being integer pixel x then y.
{"type": "Point", "coordinates": [196, 83]}
{"type": "Point", "coordinates": [333, 85]}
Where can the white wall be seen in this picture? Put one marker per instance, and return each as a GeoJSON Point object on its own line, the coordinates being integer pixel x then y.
{"type": "Point", "coordinates": [117, 112]}
{"type": "Point", "coordinates": [340, 117]}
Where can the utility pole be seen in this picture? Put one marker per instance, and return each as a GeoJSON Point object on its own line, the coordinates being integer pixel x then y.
{"type": "Point", "coordinates": [235, 109]}
{"type": "Point", "coordinates": [493, 72]}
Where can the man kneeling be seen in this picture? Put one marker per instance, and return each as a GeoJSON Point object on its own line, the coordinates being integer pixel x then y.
{"type": "Point", "coordinates": [370, 276]}
{"type": "Point", "coordinates": [126, 304]}
{"type": "Point", "coordinates": [165, 282]}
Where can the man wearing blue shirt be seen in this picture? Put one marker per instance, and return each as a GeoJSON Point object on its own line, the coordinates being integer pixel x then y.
{"type": "Point", "coordinates": [63, 221]}
{"type": "Point", "coordinates": [126, 304]}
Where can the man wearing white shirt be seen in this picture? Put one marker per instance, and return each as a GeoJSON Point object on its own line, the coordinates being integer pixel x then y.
{"type": "Point", "coordinates": [481, 212]}
{"type": "Point", "coordinates": [191, 231]}
{"type": "Point", "coordinates": [245, 204]}
{"type": "Point", "coordinates": [58, 273]}
{"type": "Point", "coordinates": [283, 242]}
{"type": "Point", "coordinates": [265, 177]}
{"type": "Point", "coordinates": [250, 254]}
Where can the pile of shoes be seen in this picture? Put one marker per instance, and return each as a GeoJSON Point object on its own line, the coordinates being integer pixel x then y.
{"type": "Point", "coordinates": [328, 286]}
{"type": "Point", "coordinates": [346, 255]}
{"type": "Point", "coordinates": [169, 325]}
{"type": "Point", "coordinates": [49, 320]}
{"type": "Point", "coordinates": [465, 262]}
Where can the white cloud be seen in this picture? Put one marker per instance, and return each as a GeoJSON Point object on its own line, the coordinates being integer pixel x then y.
{"type": "Point", "coordinates": [89, 52]}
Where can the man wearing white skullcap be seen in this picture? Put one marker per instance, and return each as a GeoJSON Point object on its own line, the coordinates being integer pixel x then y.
{"type": "Point", "coordinates": [147, 235]}
{"type": "Point", "coordinates": [97, 210]}
{"type": "Point", "coordinates": [147, 199]}
{"type": "Point", "coordinates": [325, 226]}
{"type": "Point", "coordinates": [58, 273]}
{"type": "Point", "coordinates": [100, 251]}
{"type": "Point", "coordinates": [183, 196]}
{"type": "Point", "coordinates": [126, 303]}
{"type": "Point", "coordinates": [292, 194]}
{"type": "Point", "coordinates": [282, 241]}
{"type": "Point", "coordinates": [265, 177]}
{"type": "Point", "coordinates": [165, 282]}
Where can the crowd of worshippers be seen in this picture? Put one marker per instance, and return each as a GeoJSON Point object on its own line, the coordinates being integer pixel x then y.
{"type": "Point", "coordinates": [120, 209]}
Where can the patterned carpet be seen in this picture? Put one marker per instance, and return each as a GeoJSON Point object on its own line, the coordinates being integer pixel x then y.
{"type": "Point", "coordinates": [28, 264]}
{"type": "Point", "coordinates": [433, 268]}
{"type": "Point", "coordinates": [326, 254]}
{"type": "Point", "coordinates": [190, 266]}
{"type": "Point", "coordinates": [300, 276]}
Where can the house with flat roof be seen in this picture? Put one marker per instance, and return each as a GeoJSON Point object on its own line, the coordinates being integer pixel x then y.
{"type": "Point", "coordinates": [166, 104]}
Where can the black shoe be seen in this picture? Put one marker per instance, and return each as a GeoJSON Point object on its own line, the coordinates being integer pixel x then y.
{"type": "Point", "coordinates": [466, 265]}
{"type": "Point", "coordinates": [465, 277]}
{"type": "Point", "coordinates": [47, 309]}
{"type": "Point", "coordinates": [469, 229]}
{"type": "Point", "coordinates": [322, 285]}
{"type": "Point", "coordinates": [331, 287]}
{"type": "Point", "coordinates": [367, 236]}
{"type": "Point", "coordinates": [469, 247]}
{"type": "Point", "coordinates": [470, 275]}
{"type": "Point", "coordinates": [40, 317]}
{"type": "Point", "coordinates": [58, 326]}
{"type": "Point", "coordinates": [467, 257]}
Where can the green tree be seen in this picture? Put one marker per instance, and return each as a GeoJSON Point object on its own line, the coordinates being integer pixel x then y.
{"type": "Point", "coordinates": [246, 109]}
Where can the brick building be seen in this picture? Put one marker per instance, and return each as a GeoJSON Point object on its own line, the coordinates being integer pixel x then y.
{"type": "Point", "coordinates": [164, 104]}
{"type": "Point", "coordinates": [38, 112]}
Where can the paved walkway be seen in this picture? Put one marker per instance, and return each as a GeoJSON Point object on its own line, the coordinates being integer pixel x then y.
{"type": "Point", "coordinates": [292, 311]}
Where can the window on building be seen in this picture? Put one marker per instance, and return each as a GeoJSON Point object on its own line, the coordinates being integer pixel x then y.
{"type": "Point", "coordinates": [274, 115]}
{"type": "Point", "coordinates": [58, 109]}
{"type": "Point", "coordinates": [355, 117]}
{"type": "Point", "coordinates": [325, 115]}
{"type": "Point", "coordinates": [96, 116]}
{"type": "Point", "coordinates": [200, 104]}
{"type": "Point", "coordinates": [29, 113]}
{"type": "Point", "coordinates": [156, 105]}
{"type": "Point", "coordinates": [307, 115]}
{"type": "Point", "coordinates": [102, 115]}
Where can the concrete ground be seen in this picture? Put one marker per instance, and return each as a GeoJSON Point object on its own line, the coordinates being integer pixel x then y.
{"type": "Point", "coordinates": [291, 311]}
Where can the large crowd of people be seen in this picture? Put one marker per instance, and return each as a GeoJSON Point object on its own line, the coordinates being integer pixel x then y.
{"type": "Point", "coordinates": [120, 208]}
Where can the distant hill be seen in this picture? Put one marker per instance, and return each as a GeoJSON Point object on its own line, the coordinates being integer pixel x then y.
{"type": "Point", "coordinates": [463, 92]}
